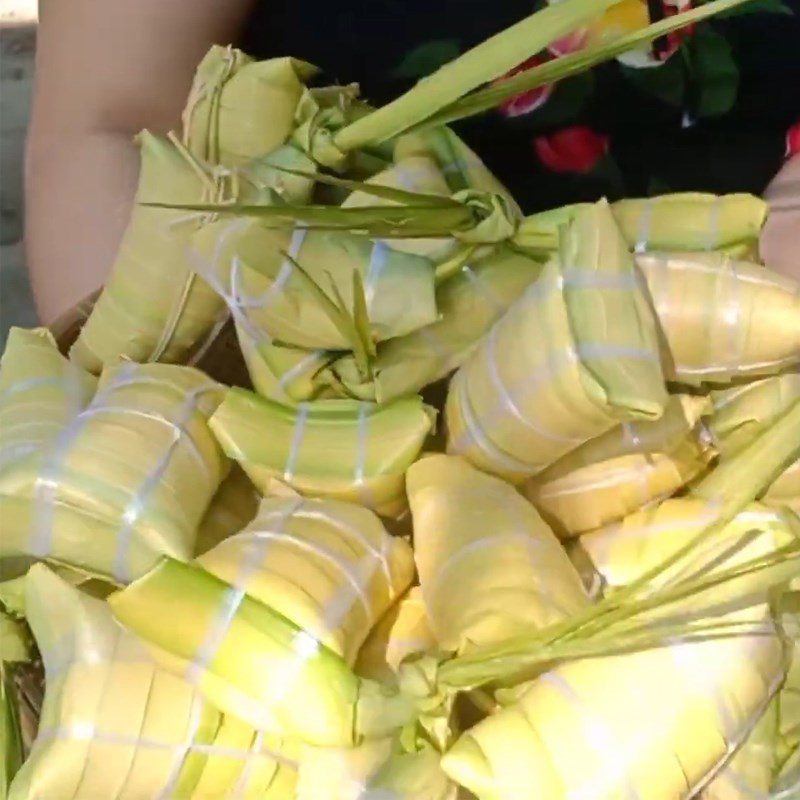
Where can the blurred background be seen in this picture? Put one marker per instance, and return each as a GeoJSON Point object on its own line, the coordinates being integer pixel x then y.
{"type": "Point", "coordinates": [17, 50]}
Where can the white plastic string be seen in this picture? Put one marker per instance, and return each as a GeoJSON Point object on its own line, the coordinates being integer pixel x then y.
{"type": "Point", "coordinates": [301, 368]}
{"type": "Point", "coordinates": [287, 267]}
{"type": "Point", "coordinates": [483, 289]}
{"type": "Point", "coordinates": [362, 434]}
{"type": "Point", "coordinates": [47, 482]}
{"type": "Point", "coordinates": [542, 375]}
{"type": "Point", "coordinates": [297, 438]}
{"type": "Point", "coordinates": [506, 399]}
{"type": "Point", "coordinates": [324, 553]}
{"type": "Point", "coordinates": [474, 434]}
{"type": "Point", "coordinates": [320, 511]}
{"type": "Point", "coordinates": [232, 599]}
{"type": "Point", "coordinates": [31, 383]}
{"type": "Point", "coordinates": [733, 314]}
{"type": "Point", "coordinates": [614, 767]}
{"type": "Point", "coordinates": [431, 588]}
{"type": "Point", "coordinates": [138, 503]}
{"type": "Point", "coordinates": [610, 479]}
{"type": "Point", "coordinates": [714, 216]}
{"type": "Point", "coordinates": [378, 259]}
{"type": "Point", "coordinates": [305, 646]}
{"type": "Point", "coordinates": [645, 225]}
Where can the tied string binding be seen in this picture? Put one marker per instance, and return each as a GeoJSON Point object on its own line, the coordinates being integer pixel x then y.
{"type": "Point", "coordinates": [476, 431]}
{"type": "Point", "coordinates": [304, 646]}
{"type": "Point", "coordinates": [220, 186]}
{"type": "Point", "coordinates": [48, 483]}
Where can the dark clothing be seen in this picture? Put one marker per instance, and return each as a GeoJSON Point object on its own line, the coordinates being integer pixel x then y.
{"type": "Point", "coordinates": [712, 117]}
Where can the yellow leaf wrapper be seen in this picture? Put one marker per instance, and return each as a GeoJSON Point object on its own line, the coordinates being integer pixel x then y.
{"type": "Point", "coordinates": [127, 480]}
{"type": "Point", "coordinates": [691, 221]}
{"type": "Point", "coordinates": [375, 769]}
{"type": "Point", "coordinates": [489, 566]}
{"type": "Point", "coordinates": [627, 468]}
{"type": "Point", "coordinates": [239, 109]}
{"type": "Point", "coordinates": [254, 267]}
{"type": "Point", "coordinates": [402, 633]}
{"type": "Point", "coordinates": [743, 412]}
{"type": "Point", "coordinates": [328, 566]}
{"type": "Point", "coordinates": [233, 506]}
{"type": "Point", "coordinates": [683, 221]}
{"type": "Point", "coordinates": [570, 734]}
{"type": "Point", "coordinates": [343, 449]}
{"type": "Point", "coordinates": [114, 724]}
{"type": "Point", "coordinates": [469, 303]}
{"type": "Point", "coordinates": [287, 375]}
{"type": "Point", "coordinates": [40, 393]}
{"type": "Point", "coordinates": [748, 774]}
{"type": "Point", "coordinates": [788, 703]}
{"type": "Point", "coordinates": [276, 615]}
{"type": "Point", "coordinates": [153, 307]}
{"type": "Point", "coordinates": [460, 166]}
{"type": "Point", "coordinates": [579, 355]}
{"type": "Point", "coordinates": [740, 413]}
{"type": "Point", "coordinates": [414, 173]}
{"type": "Point", "coordinates": [722, 319]}
{"type": "Point", "coordinates": [623, 552]}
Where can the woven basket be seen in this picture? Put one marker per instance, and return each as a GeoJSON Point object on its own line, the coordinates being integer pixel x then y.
{"type": "Point", "coordinates": [220, 358]}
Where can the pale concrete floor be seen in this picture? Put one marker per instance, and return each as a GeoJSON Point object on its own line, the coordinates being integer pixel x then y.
{"type": "Point", "coordinates": [17, 46]}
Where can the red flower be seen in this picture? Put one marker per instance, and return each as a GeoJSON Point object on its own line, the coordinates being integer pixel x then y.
{"type": "Point", "coordinates": [574, 149]}
{"type": "Point", "coordinates": [525, 102]}
{"type": "Point", "coordinates": [675, 38]}
{"type": "Point", "coordinates": [793, 140]}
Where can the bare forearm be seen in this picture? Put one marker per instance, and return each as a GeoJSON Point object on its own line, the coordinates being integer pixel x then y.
{"type": "Point", "coordinates": [105, 69]}
{"type": "Point", "coordinates": [780, 242]}
{"type": "Point", "coordinates": [79, 195]}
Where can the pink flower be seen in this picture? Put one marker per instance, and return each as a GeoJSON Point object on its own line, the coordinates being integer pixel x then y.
{"type": "Point", "coordinates": [676, 37]}
{"type": "Point", "coordinates": [525, 102]}
{"type": "Point", "coordinates": [793, 140]}
{"type": "Point", "coordinates": [574, 149]}
{"type": "Point", "coordinates": [570, 43]}
{"type": "Point", "coordinates": [628, 16]}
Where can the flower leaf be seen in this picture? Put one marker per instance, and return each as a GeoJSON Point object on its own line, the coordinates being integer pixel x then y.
{"type": "Point", "coordinates": [427, 58]}
{"type": "Point", "coordinates": [714, 71]}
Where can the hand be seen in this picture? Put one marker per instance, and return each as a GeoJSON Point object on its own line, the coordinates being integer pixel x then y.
{"type": "Point", "coordinates": [780, 239]}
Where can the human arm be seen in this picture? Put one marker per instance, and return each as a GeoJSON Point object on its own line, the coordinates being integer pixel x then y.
{"type": "Point", "coordinates": [105, 69]}
{"type": "Point", "coordinates": [780, 241]}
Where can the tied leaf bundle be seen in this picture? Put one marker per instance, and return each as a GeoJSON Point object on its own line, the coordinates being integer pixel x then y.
{"type": "Point", "coordinates": [239, 109]}
{"type": "Point", "coordinates": [343, 449]}
{"type": "Point", "coordinates": [469, 302]}
{"type": "Point", "coordinates": [293, 597]}
{"type": "Point", "coordinates": [722, 320]}
{"type": "Point", "coordinates": [488, 565]}
{"type": "Point", "coordinates": [153, 308]}
{"type": "Point", "coordinates": [508, 415]}
{"type": "Point", "coordinates": [289, 284]}
{"type": "Point", "coordinates": [743, 412]}
{"type": "Point", "coordinates": [629, 467]}
{"type": "Point", "coordinates": [115, 724]}
{"type": "Point", "coordinates": [125, 480]}
{"type": "Point", "coordinates": [615, 362]}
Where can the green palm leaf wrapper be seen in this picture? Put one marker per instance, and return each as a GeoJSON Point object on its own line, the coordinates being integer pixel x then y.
{"type": "Point", "coordinates": [112, 486]}
{"type": "Point", "coordinates": [293, 596]}
{"type": "Point", "coordinates": [584, 585]}
{"type": "Point", "coordinates": [367, 447]}
{"type": "Point", "coordinates": [507, 415]}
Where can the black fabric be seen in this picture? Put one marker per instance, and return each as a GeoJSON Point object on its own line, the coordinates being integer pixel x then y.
{"type": "Point", "coordinates": [652, 148]}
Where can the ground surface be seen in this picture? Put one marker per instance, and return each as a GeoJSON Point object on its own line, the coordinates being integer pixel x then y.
{"type": "Point", "coordinates": [17, 47]}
